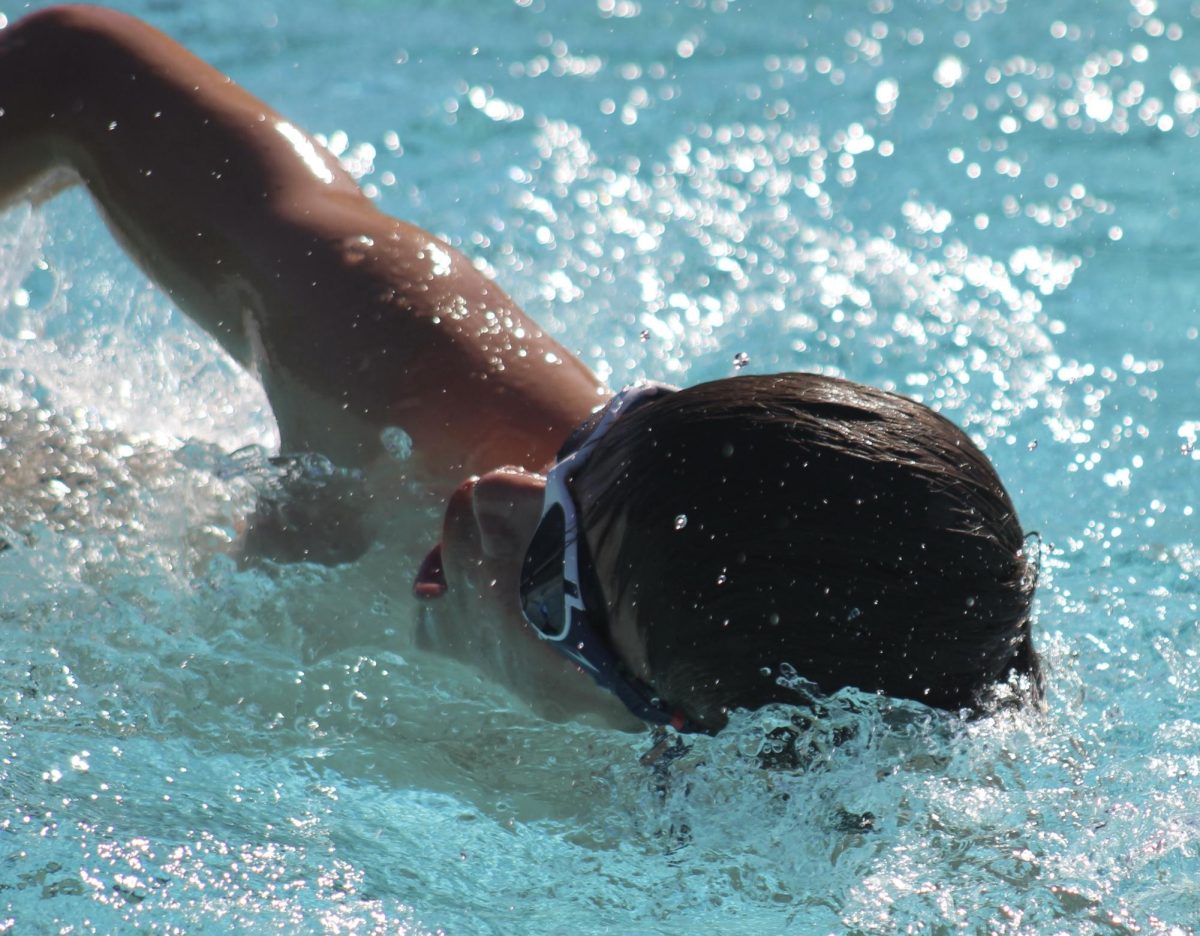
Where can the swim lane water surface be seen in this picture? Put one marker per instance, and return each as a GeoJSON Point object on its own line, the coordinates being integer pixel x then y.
{"type": "Point", "coordinates": [988, 206]}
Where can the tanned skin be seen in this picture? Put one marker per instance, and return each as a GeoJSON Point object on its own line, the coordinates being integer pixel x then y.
{"type": "Point", "coordinates": [353, 320]}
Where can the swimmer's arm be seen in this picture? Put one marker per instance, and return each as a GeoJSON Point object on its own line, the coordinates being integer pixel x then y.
{"type": "Point", "coordinates": [211, 191]}
{"type": "Point", "coordinates": [352, 319]}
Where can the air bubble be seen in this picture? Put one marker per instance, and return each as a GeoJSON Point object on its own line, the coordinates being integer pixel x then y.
{"type": "Point", "coordinates": [396, 442]}
{"type": "Point", "coordinates": [681, 521]}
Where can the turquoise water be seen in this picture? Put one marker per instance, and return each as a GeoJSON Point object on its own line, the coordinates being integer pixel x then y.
{"type": "Point", "coordinates": [988, 206]}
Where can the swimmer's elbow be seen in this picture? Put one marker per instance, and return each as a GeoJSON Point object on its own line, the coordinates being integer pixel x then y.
{"type": "Point", "coordinates": [31, 169]}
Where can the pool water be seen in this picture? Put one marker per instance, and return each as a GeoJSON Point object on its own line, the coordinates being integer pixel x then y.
{"type": "Point", "coordinates": [987, 206]}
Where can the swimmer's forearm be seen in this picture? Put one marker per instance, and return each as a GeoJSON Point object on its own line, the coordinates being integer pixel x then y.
{"type": "Point", "coordinates": [128, 106]}
{"type": "Point", "coordinates": [208, 187]}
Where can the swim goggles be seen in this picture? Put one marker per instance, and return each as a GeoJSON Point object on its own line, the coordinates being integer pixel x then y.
{"type": "Point", "coordinates": [560, 595]}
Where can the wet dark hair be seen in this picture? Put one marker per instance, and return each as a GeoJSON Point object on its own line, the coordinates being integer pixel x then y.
{"type": "Point", "coordinates": [848, 532]}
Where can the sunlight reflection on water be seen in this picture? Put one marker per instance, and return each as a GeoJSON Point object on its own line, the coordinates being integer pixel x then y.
{"type": "Point", "coordinates": [984, 207]}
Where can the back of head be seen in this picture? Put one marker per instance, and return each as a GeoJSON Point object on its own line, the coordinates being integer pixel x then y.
{"type": "Point", "coordinates": [797, 519]}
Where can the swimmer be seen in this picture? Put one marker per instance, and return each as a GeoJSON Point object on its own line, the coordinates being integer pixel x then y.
{"type": "Point", "coordinates": [685, 549]}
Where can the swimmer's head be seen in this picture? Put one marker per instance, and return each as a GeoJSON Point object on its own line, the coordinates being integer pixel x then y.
{"type": "Point", "coordinates": [749, 524]}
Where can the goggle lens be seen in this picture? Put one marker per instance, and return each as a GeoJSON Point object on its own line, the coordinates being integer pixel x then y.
{"type": "Point", "coordinates": [542, 583]}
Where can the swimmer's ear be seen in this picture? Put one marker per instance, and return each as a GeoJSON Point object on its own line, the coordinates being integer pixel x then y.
{"type": "Point", "coordinates": [508, 504]}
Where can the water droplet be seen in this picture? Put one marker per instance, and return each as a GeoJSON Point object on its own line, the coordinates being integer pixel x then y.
{"type": "Point", "coordinates": [722, 578]}
{"type": "Point", "coordinates": [681, 521]}
{"type": "Point", "coordinates": [727, 450]}
{"type": "Point", "coordinates": [773, 620]}
{"type": "Point", "coordinates": [1032, 445]}
{"type": "Point", "coordinates": [740, 360]}
{"type": "Point", "coordinates": [396, 442]}
{"type": "Point", "coordinates": [853, 613]}
{"type": "Point", "coordinates": [765, 671]}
